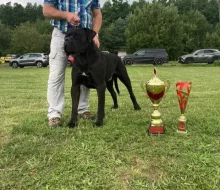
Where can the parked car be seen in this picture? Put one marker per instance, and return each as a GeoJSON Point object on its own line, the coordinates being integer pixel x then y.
{"type": "Point", "coordinates": [121, 53]}
{"type": "Point", "coordinates": [8, 58]}
{"type": "Point", "coordinates": [105, 51]}
{"type": "Point", "coordinates": [200, 56]}
{"type": "Point", "coordinates": [216, 56]}
{"type": "Point", "coordinates": [30, 59]}
{"type": "Point", "coordinates": [152, 56]}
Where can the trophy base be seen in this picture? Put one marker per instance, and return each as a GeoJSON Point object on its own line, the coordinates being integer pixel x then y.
{"type": "Point", "coordinates": [182, 132]}
{"type": "Point", "coordinates": [156, 130]}
{"type": "Point", "coordinates": [182, 126]}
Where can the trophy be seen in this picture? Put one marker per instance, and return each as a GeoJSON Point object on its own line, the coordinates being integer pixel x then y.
{"type": "Point", "coordinates": [183, 91]}
{"type": "Point", "coordinates": [155, 89]}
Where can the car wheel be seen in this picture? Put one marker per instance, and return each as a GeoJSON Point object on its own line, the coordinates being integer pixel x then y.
{"type": "Point", "coordinates": [39, 64]}
{"type": "Point", "coordinates": [14, 65]}
{"type": "Point", "coordinates": [158, 61]}
{"type": "Point", "coordinates": [128, 62]}
{"type": "Point", "coordinates": [189, 60]}
{"type": "Point", "coordinates": [213, 60]}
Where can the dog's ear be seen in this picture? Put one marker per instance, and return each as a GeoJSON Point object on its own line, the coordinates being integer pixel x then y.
{"type": "Point", "coordinates": [90, 34]}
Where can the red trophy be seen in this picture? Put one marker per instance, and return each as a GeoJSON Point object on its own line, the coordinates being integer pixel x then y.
{"type": "Point", "coordinates": [183, 91]}
{"type": "Point", "coordinates": [155, 89]}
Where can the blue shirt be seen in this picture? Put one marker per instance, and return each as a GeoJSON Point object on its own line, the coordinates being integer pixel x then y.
{"type": "Point", "coordinates": [80, 7]}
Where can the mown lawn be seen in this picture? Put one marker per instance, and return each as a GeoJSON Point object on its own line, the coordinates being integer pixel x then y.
{"type": "Point", "coordinates": [119, 155]}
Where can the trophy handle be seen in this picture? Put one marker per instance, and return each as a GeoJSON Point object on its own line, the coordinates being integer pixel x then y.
{"type": "Point", "coordinates": [167, 87]}
{"type": "Point", "coordinates": [143, 86]}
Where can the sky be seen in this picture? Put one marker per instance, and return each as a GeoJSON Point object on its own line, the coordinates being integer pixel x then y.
{"type": "Point", "coordinates": [24, 2]}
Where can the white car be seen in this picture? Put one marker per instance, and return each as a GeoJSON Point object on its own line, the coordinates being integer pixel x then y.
{"type": "Point", "coordinates": [200, 56]}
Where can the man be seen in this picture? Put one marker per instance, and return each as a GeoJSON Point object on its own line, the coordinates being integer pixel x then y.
{"type": "Point", "coordinates": [66, 14]}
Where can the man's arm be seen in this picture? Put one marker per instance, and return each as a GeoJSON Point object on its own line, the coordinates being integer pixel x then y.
{"type": "Point", "coordinates": [96, 24]}
{"type": "Point", "coordinates": [97, 20]}
{"type": "Point", "coordinates": [51, 12]}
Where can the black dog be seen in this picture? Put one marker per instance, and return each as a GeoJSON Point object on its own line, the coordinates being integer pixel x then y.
{"type": "Point", "coordinates": [94, 69]}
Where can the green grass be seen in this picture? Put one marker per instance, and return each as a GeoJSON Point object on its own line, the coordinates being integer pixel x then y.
{"type": "Point", "coordinates": [119, 155]}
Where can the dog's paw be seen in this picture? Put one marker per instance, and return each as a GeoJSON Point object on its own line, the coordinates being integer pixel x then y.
{"type": "Point", "coordinates": [114, 107]}
{"type": "Point", "coordinates": [72, 124]}
{"type": "Point", "coordinates": [137, 107]}
{"type": "Point", "coordinates": [98, 124]}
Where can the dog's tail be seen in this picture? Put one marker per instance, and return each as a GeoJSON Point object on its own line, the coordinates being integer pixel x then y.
{"type": "Point", "coordinates": [116, 84]}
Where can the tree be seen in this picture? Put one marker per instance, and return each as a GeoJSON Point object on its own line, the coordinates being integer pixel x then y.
{"type": "Point", "coordinates": [209, 8]}
{"type": "Point", "coordinates": [137, 4]}
{"type": "Point", "coordinates": [114, 38]}
{"type": "Point", "coordinates": [219, 10]}
{"type": "Point", "coordinates": [5, 39]}
{"type": "Point", "coordinates": [212, 38]}
{"type": "Point", "coordinates": [195, 28]}
{"type": "Point", "coordinates": [112, 11]}
{"type": "Point", "coordinates": [33, 12]}
{"type": "Point", "coordinates": [26, 38]}
{"type": "Point", "coordinates": [6, 14]}
{"type": "Point", "coordinates": [155, 26]}
{"type": "Point", "coordinates": [13, 16]}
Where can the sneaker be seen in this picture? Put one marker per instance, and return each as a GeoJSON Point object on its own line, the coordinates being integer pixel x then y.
{"type": "Point", "coordinates": [54, 122]}
{"type": "Point", "coordinates": [87, 116]}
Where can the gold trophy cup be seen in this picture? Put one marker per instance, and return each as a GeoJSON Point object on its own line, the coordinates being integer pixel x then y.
{"type": "Point", "coordinates": [183, 91]}
{"type": "Point", "coordinates": [155, 89]}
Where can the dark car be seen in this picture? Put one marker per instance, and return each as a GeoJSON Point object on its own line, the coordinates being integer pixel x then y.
{"type": "Point", "coordinates": [200, 56]}
{"type": "Point", "coordinates": [105, 51]}
{"type": "Point", "coordinates": [152, 56]}
{"type": "Point", "coordinates": [30, 59]}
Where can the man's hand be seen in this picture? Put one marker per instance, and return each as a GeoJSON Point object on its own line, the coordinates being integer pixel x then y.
{"type": "Point", "coordinates": [96, 40]}
{"type": "Point", "coordinates": [51, 12]}
{"type": "Point", "coordinates": [72, 18]}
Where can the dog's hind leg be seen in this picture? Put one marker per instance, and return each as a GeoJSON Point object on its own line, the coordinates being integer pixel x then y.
{"type": "Point", "coordinates": [113, 94]}
{"type": "Point", "coordinates": [124, 78]}
{"type": "Point", "coordinates": [75, 93]}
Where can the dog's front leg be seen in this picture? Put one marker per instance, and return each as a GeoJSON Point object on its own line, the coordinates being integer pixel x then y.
{"type": "Point", "coordinates": [75, 93]}
{"type": "Point", "coordinates": [101, 104]}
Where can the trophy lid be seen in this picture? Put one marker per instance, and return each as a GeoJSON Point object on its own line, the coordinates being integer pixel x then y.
{"type": "Point", "coordinates": [155, 81]}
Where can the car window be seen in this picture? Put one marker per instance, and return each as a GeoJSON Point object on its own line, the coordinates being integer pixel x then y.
{"type": "Point", "coordinates": [150, 53]}
{"type": "Point", "coordinates": [33, 55]}
{"type": "Point", "coordinates": [157, 51]}
{"type": "Point", "coordinates": [209, 51]}
{"type": "Point", "coordinates": [200, 52]}
{"type": "Point", "coordinates": [142, 52]}
{"type": "Point", "coordinates": [25, 56]}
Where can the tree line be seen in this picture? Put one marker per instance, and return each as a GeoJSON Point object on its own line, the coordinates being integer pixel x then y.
{"type": "Point", "coordinates": [179, 26]}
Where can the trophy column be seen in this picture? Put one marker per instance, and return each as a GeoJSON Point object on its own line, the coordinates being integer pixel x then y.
{"type": "Point", "coordinates": [183, 91]}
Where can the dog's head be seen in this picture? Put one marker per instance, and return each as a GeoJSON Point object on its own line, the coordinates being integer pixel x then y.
{"type": "Point", "coordinates": [78, 40]}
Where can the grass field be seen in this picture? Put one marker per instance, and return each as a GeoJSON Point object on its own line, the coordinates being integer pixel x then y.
{"type": "Point", "coordinates": [120, 155]}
